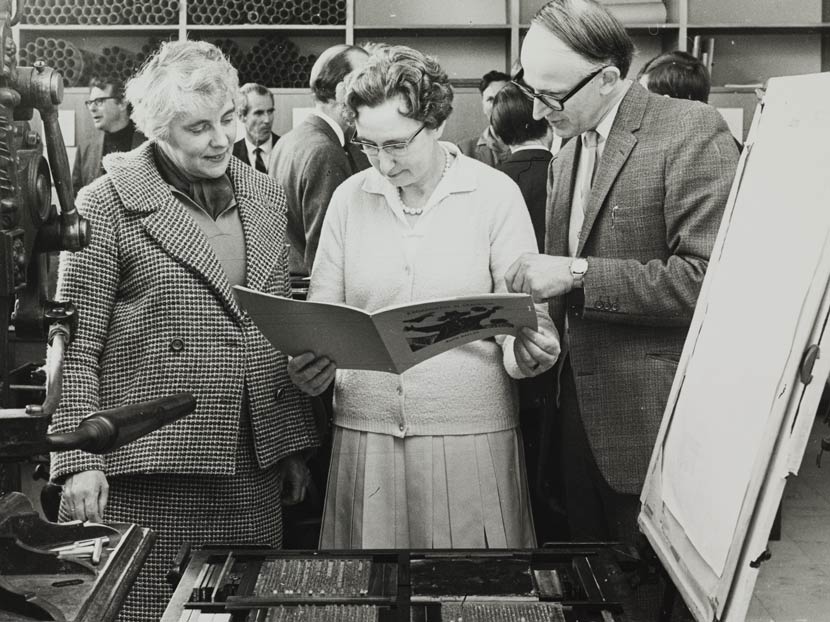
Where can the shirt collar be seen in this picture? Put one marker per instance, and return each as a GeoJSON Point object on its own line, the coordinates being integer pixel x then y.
{"type": "Point", "coordinates": [460, 178]}
{"type": "Point", "coordinates": [266, 146]}
{"type": "Point", "coordinates": [334, 125]}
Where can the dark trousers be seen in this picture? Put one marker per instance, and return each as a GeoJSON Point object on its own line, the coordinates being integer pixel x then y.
{"type": "Point", "coordinates": [598, 513]}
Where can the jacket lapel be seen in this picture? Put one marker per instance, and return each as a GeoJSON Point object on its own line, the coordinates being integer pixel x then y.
{"type": "Point", "coordinates": [166, 220]}
{"type": "Point", "coordinates": [260, 247]}
{"type": "Point", "coordinates": [620, 142]}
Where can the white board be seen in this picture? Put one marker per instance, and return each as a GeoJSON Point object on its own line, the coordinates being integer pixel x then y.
{"type": "Point", "coordinates": [732, 431]}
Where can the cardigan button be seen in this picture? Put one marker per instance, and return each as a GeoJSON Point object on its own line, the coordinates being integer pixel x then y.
{"type": "Point", "coordinates": [177, 345]}
{"type": "Point", "coordinates": [280, 393]}
{"type": "Point", "coordinates": [402, 427]}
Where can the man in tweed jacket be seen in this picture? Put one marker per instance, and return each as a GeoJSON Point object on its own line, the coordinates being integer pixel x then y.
{"type": "Point", "coordinates": [624, 264]}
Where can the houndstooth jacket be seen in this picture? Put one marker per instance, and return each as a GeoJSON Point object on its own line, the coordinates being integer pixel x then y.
{"type": "Point", "coordinates": [157, 316]}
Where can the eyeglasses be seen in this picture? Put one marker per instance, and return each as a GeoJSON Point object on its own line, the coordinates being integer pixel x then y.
{"type": "Point", "coordinates": [98, 101]}
{"type": "Point", "coordinates": [554, 103]}
{"type": "Point", "coordinates": [393, 149]}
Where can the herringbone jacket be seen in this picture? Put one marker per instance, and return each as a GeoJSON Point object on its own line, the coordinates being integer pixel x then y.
{"type": "Point", "coordinates": [157, 316]}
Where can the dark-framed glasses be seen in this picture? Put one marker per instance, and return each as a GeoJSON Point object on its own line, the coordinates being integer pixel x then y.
{"type": "Point", "coordinates": [396, 149]}
{"type": "Point", "coordinates": [98, 101]}
{"type": "Point", "coordinates": [552, 102]}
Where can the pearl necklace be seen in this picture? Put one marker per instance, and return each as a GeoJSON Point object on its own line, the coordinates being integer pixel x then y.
{"type": "Point", "coordinates": [417, 211]}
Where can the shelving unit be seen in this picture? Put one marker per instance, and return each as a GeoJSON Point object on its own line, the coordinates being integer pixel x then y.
{"type": "Point", "coordinates": [754, 40]}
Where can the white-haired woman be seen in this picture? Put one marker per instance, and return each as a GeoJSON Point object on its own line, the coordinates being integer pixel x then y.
{"type": "Point", "coordinates": [430, 458]}
{"type": "Point", "coordinates": [175, 224]}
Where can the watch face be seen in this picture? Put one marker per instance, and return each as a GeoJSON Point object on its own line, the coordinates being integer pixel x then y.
{"type": "Point", "coordinates": [579, 266]}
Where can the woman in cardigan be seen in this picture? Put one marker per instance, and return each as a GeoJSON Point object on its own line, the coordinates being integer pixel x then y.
{"type": "Point", "coordinates": [175, 224]}
{"type": "Point", "coordinates": [430, 458]}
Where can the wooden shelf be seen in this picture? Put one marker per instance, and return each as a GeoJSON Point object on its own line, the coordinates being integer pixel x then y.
{"type": "Point", "coordinates": [751, 29]}
{"type": "Point", "coordinates": [84, 28]}
{"type": "Point", "coordinates": [266, 27]}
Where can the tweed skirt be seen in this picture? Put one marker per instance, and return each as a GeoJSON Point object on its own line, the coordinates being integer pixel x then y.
{"type": "Point", "coordinates": [240, 509]}
{"type": "Point", "coordinates": [459, 491]}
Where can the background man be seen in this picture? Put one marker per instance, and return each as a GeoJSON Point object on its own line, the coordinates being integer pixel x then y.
{"type": "Point", "coordinates": [256, 111]}
{"type": "Point", "coordinates": [634, 206]}
{"type": "Point", "coordinates": [487, 147]}
{"type": "Point", "coordinates": [111, 115]}
{"type": "Point", "coordinates": [676, 74]}
{"type": "Point", "coordinates": [313, 159]}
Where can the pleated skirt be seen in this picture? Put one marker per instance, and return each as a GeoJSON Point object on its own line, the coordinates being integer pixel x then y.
{"type": "Point", "coordinates": [423, 492]}
{"type": "Point", "coordinates": [240, 509]}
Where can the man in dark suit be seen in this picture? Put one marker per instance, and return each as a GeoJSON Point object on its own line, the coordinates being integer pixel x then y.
{"type": "Point", "coordinates": [114, 130]}
{"type": "Point", "coordinates": [313, 159]}
{"type": "Point", "coordinates": [487, 147]}
{"type": "Point", "coordinates": [634, 205]}
{"type": "Point", "coordinates": [256, 111]}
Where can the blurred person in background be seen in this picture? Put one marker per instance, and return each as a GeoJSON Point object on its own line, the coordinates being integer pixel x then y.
{"type": "Point", "coordinates": [256, 112]}
{"type": "Point", "coordinates": [486, 147]}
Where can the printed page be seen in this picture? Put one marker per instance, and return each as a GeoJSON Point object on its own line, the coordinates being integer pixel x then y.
{"type": "Point", "coordinates": [344, 334]}
{"type": "Point", "coordinates": [415, 332]}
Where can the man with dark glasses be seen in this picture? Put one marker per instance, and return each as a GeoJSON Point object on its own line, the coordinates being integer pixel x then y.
{"type": "Point", "coordinates": [634, 205]}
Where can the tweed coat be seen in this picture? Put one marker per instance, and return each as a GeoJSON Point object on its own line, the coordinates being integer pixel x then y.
{"type": "Point", "coordinates": [529, 169]}
{"type": "Point", "coordinates": [309, 163]}
{"type": "Point", "coordinates": [650, 224]}
{"type": "Point", "coordinates": [157, 316]}
{"type": "Point", "coordinates": [87, 166]}
{"type": "Point", "coordinates": [240, 149]}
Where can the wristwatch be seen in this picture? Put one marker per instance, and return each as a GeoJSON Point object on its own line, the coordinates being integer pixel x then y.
{"type": "Point", "coordinates": [579, 266]}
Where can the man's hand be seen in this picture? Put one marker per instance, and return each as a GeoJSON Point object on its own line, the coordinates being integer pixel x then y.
{"type": "Point", "coordinates": [311, 374]}
{"type": "Point", "coordinates": [85, 495]}
{"type": "Point", "coordinates": [294, 478]}
{"type": "Point", "coordinates": [541, 276]}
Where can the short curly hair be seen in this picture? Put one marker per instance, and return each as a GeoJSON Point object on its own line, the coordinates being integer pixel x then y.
{"type": "Point", "coordinates": [400, 71]}
{"type": "Point", "coordinates": [180, 76]}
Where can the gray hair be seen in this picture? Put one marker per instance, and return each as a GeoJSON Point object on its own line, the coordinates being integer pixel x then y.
{"type": "Point", "coordinates": [180, 76]}
{"type": "Point", "coordinates": [242, 106]}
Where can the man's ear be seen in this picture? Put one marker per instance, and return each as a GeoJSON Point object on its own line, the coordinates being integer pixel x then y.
{"type": "Point", "coordinates": [610, 76]}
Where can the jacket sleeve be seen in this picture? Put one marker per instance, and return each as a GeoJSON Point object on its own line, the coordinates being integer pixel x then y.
{"type": "Point", "coordinates": [89, 278]}
{"type": "Point", "coordinates": [323, 172]}
{"type": "Point", "coordinates": [699, 165]}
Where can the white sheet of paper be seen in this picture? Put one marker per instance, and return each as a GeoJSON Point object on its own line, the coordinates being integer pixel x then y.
{"type": "Point", "coordinates": [734, 118]}
{"type": "Point", "coordinates": [66, 120]}
{"type": "Point", "coordinates": [70, 153]}
{"type": "Point", "coordinates": [712, 445]}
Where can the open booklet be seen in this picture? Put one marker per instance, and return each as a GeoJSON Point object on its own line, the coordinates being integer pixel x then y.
{"type": "Point", "coordinates": [391, 339]}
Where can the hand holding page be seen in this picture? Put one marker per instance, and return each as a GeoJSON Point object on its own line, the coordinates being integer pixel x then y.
{"type": "Point", "coordinates": [391, 339]}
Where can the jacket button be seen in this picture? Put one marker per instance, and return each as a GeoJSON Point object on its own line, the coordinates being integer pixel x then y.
{"type": "Point", "coordinates": [615, 307]}
{"type": "Point", "coordinates": [177, 345]}
{"type": "Point", "coordinates": [598, 304]}
{"type": "Point", "coordinates": [402, 427]}
{"type": "Point", "coordinates": [280, 393]}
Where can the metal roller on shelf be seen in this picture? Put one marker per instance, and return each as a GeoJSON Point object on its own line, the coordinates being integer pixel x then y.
{"type": "Point", "coordinates": [61, 55]}
{"type": "Point", "coordinates": [101, 12]}
{"type": "Point", "coordinates": [233, 51]}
